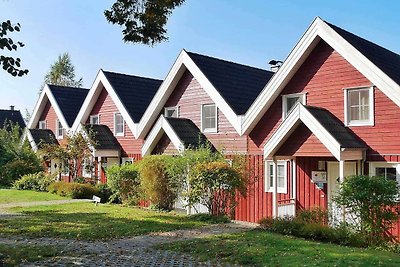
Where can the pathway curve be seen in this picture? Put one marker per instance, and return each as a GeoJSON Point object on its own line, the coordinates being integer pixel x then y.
{"type": "Point", "coordinates": [135, 251]}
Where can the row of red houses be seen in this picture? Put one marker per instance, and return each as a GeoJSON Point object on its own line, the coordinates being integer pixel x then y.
{"type": "Point", "coordinates": [330, 110]}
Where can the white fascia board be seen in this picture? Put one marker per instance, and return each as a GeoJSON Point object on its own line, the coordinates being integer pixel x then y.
{"type": "Point", "coordinates": [54, 104]}
{"type": "Point", "coordinates": [37, 111]}
{"type": "Point", "coordinates": [28, 135]}
{"type": "Point", "coordinates": [273, 88]}
{"type": "Point", "coordinates": [170, 132]}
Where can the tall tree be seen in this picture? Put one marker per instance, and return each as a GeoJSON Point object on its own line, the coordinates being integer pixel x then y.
{"type": "Point", "coordinates": [144, 21]}
{"type": "Point", "coordinates": [62, 72]}
{"type": "Point", "coordinates": [10, 64]}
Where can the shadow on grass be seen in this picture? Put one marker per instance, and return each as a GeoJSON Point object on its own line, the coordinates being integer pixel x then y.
{"type": "Point", "coordinates": [93, 225]}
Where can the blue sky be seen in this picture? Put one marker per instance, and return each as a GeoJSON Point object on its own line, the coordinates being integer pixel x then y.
{"type": "Point", "coordinates": [249, 32]}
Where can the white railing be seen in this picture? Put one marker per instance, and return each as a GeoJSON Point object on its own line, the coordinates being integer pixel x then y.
{"type": "Point", "coordinates": [287, 209]}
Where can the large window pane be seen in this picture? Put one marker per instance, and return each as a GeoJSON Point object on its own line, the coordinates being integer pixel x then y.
{"type": "Point", "coordinates": [209, 117]}
{"type": "Point", "coordinates": [358, 105]}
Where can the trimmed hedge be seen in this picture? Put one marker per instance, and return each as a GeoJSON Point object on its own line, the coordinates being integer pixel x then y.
{"type": "Point", "coordinates": [36, 181]}
{"type": "Point", "coordinates": [74, 190]}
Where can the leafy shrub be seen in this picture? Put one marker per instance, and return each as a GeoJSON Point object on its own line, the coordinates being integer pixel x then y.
{"type": "Point", "coordinates": [205, 217]}
{"type": "Point", "coordinates": [315, 215]}
{"type": "Point", "coordinates": [73, 190]}
{"type": "Point", "coordinates": [283, 225]}
{"type": "Point", "coordinates": [37, 181]}
{"type": "Point", "coordinates": [372, 200]}
{"type": "Point", "coordinates": [215, 184]}
{"type": "Point", "coordinates": [156, 182]}
{"type": "Point", "coordinates": [104, 192]}
{"type": "Point", "coordinates": [124, 183]}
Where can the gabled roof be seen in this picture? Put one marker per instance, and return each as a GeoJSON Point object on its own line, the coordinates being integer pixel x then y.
{"type": "Point", "coordinates": [103, 137]}
{"type": "Point", "coordinates": [134, 92]}
{"type": "Point", "coordinates": [183, 133]}
{"type": "Point", "coordinates": [238, 84]}
{"type": "Point", "coordinates": [11, 115]}
{"type": "Point", "coordinates": [377, 64]}
{"type": "Point", "coordinates": [69, 99]}
{"type": "Point", "coordinates": [42, 136]}
{"type": "Point", "coordinates": [342, 143]}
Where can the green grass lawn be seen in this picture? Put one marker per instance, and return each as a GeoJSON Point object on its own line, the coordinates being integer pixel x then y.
{"type": "Point", "coordinates": [89, 222]}
{"type": "Point", "coordinates": [14, 255]}
{"type": "Point", "coordinates": [18, 196]}
{"type": "Point", "coordinates": [261, 248]}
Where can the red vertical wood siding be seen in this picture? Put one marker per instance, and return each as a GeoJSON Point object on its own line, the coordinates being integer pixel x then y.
{"type": "Point", "coordinates": [49, 115]}
{"type": "Point", "coordinates": [106, 108]}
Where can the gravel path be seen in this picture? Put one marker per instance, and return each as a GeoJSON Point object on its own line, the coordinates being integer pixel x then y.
{"type": "Point", "coordinates": [135, 251]}
{"type": "Point", "coordinates": [39, 203]}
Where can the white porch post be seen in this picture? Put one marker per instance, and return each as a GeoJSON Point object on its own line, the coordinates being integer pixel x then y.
{"type": "Point", "coordinates": [294, 185]}
{"type": "Point", "coordinates": [275, 189]}
{"type": "Point", "coordinates": [98, 169]}
{"type": "Point", "coordinates": [341, 180]}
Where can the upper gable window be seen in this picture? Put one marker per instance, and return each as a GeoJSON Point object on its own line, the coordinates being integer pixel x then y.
{"type": "Point", "coordinates": [359, 106]}
{"type": "Point", "coordinates": [95, 119]}
{"type": "Point", "coordinates": [289, 101]}
{"type": "Point", "coordinates": [59, 130]}
{"type": "Point", "coordinates": [42, 124]}
{"type": "Point", "coordinates": [171, 112]}
{"type": "Point", "coordinates": [209, 118]}
{"type": "Point", "coordinates": [118, 124]}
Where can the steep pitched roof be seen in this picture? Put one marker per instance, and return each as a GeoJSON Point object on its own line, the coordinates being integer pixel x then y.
{"type": "Point", "coordinates": [238, 84]}
{"type": "Point", "coordinates": [43, 136]}
{"type": "Point", "coordinates": [69, 99]}
{"type": "Point", "coordinates": [188, 133]}
{"type": "Point", "coordinates": [11, 115]}
{"type": "Point", "coordinates": [103, 136]}
{"type": "Point", "coordinates": [386, 60]}
{"type": "Point", "coordinates": [134, 92]}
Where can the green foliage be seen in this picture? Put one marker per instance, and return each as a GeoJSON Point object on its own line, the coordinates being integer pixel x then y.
{"type": "Point", "coordinates": [16, 254]}
{"type": "Point", "coordinates": [371, 201]}
{"type": "Point", "coordinates": [124, 182]}
{"type": "Point", "coordinates": [9, 64]}
{"type": "Point", "coordinates": [208, 218]}
{"type": "Point", "coordinates": [36, 181]}
{"type": "Point", "coordinates": [105, 193]}
{"type": "Point", "coordinates": [156, 182]}
{"type": "Point", "coordinates": [73, 190]}
{"type": "Point", "coordinates": [143, 20]}
{"type": "Point", "coordinates": [16, 159]}
{"type": "Point", "coordinates": [215, 184]}
{"type": "Point", "coordinates": [315, 215]}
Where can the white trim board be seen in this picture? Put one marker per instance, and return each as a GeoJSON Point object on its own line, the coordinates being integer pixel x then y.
{"type": "Point", "coordinates": [162, 126]}
{"type": "Point", "coordinates": [318, 30]}
{"type": "Point", "coordinates": [183, 63]}
{"type": "Point", "coordinates": [301, 114]}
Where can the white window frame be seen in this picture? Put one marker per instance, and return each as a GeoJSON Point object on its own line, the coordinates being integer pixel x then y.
{"type": "Point", "coordinates": [374, 165]}
{"type": "Point", "coordinates": [167, 109]}
{"type": "Point", "coordinates": [59, 136]}
{"type": "Point", "coordinates": [127, 160]}
{"type": "Point", "coordinates": [268, 187]}
{"type": "Point", "coordinates": [371, 121]}
{"type": "Point", "coordinates": [92, 117]}
{"type": "Point", "coordinates": [285, 112]}
{"type": "Point", "coordinates": [209, 130]}
{"type": "Point", "coordinates": [115, 124]}
{"type": "Point", "coordinates": [42, 123]}
{"type": "Point", "coordinates": [85, 172]}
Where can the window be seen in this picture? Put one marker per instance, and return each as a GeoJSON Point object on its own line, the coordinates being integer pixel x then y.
{"type": "Point", "coordinates": [118, 124]}
{"type": "Point", "coordinates": [209, 118]}
{"type": "Point", "coordinates": [94, 119]}
{"type": "Point", "coordinates": [42, 124]}
{"type": "Point", "coordinates": [127, 161]}
{"type": "Point", "coordinates": [59, 129]}
{"type": "Point", "coordinates": [289, 101]}
{"type": "Point", "coordinates": [281, 176]}
{"type": "Point", "coordinates": [384, 169]}
{"type": "Point", "coordinates": [359, 107]}
{"type": "Point", "coordinates": [87, 168]}
{"type": "Point", "coordinates": [171, 112]}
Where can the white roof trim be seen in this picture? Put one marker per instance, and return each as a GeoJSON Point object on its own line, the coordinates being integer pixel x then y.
{"type": "Point", "coordinates": [40, 105]}
{"type": "Point", "coordinates": [162, 126]}
{"type": "Point", "coordinates": [28, 135]}
{"type": "Point", "coordinates": [91, 99]}
{"type": "Point", "coordinates": [182, 63]}
{"type": "Point", "coordinates": [317, 30]}
{"type": "Point", "coordinates": [297, 115]}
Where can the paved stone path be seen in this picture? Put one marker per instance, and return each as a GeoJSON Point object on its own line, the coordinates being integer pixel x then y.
{"type": "Point", "coordinates": [135, 251]}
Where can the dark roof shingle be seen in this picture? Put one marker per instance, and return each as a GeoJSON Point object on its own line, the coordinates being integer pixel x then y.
{"type": "Point", "coordinates": [11, 115]}
{"type": "Point", "coordinates": [134, 92]}
{"type": "Point", "coordinates": [384, 59]}
{"type": "Point", "coordinates": [335, 127]}
{"type": "Point", "coordinates": [43, 136]}
{"type": "Point", "coordinates": [69, 99]}
{"type": "Point", "coordinates": [103, 136]}
{"type": "Point", "coordinates": [238, 84]}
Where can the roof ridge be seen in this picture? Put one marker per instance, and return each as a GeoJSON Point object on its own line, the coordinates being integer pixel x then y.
{"type": "Point", "coordinates": [67, 87]}
{"type": "Point", "coordinates": [229, 61]}
{"type": "Point", "coordinates": [9, 110]}
{"type": "Point", "coordinates": [130, 75]}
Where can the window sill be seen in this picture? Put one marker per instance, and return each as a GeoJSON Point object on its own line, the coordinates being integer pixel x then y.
{"type": "Point", "coordinates": [357, 124]}
{"type": "Point", "coordinates": [279, 191]}
{"type": "Point", "coordinates": [119, 134]}
{"type": "Point", "coordinates": [210, 131]}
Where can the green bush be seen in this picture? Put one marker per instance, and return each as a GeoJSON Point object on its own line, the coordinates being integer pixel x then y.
{"type": "Point", "coordinates": [156, 183]}
{"type": "Point", "coordinates": [283, 225]}
{"type": "Point", "coordinates": [104, 192]}
{"type": "Point", "coordinates": [73, 190]}
{"type": "Point", "coordinates": [208, 218]}
{"type": "Point", "coordinates": [315, 215]}
{"type": "Point", "coordinates": [124, 183]}
{"type": "Point", "coordinates": [37, 181]}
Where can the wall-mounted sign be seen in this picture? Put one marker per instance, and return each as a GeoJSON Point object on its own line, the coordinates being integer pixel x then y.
{"type": "Point", "coordinates": [318, 176]}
